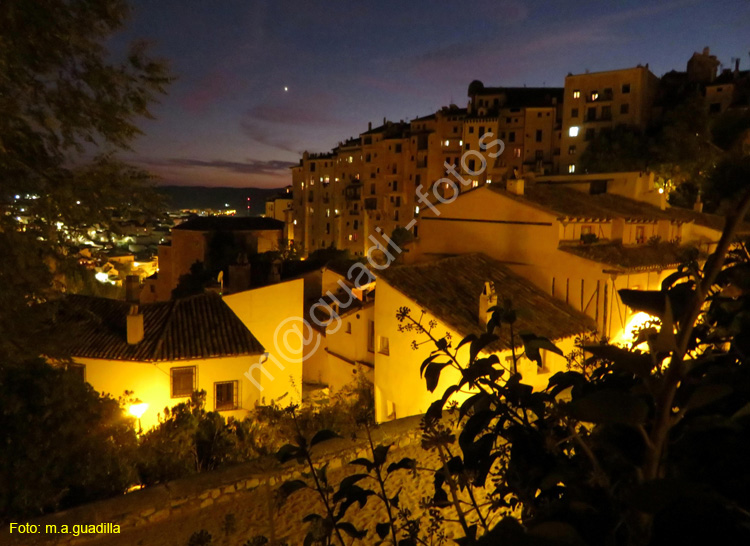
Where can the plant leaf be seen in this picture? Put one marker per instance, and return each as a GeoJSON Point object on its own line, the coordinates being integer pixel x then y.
{"type": "Point", "coordinates": [322, 436]}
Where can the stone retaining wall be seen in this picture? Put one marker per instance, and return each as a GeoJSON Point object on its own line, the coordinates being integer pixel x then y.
{"type": "Point", "coordinates": [189, 495]}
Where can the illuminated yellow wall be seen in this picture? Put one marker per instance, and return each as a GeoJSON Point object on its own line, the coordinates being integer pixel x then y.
{"type": "Point", "coordinates": [398, 385]}
{"type": "Point", "coordinates": [150, 382]}
{"type": "Point", "coordinates": [272, 314]}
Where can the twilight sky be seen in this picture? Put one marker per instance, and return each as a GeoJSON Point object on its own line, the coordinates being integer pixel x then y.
{"type": "Point", "coordinates": [228, 120]}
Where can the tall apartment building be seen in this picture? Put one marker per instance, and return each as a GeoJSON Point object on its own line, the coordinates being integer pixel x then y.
{"type": "Point", "coordinates": [528, 121]}
{"type": "Point", "coordinates": [599, 101]}
{"type": "Point", "coordinates": [369, 183]}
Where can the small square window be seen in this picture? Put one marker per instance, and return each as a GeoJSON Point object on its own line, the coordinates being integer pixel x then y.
{"type": "Point", "coordinates": [348, 327]}
{"type": "Point", "coordinates": [383, 346]}
{"type": "Point", "coordinates": [574, 112]}
{"type": "Point", "coordinates": [183, 381]}
{"type": "Point", "coordinates": [625, 88]}
{"type": "Point", "coordinates": [624, 108]}
{"type": "Point", "coordinates": [226, 396]}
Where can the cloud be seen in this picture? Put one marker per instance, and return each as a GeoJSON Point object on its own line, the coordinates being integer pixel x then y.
{"type": "Point", "coordinates": [252, 166]}
{"type": "Point", "coordinates": [208, 90]}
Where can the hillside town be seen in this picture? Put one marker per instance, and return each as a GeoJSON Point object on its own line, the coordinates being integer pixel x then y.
{"type": "Point", "coordinates": [519, 319]}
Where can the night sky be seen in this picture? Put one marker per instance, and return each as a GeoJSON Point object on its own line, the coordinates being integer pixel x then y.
{"type": "Point", "coordinates": [228, 121]}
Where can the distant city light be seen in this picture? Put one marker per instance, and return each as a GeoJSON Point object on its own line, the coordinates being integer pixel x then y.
{"type": "Point", "coordinates": [661, 190]}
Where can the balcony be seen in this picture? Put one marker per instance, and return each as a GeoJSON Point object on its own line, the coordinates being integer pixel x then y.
{"type": "Point", "coordinates": [353, 192]}
{"type": "Point", "coordinates": [604, 96]}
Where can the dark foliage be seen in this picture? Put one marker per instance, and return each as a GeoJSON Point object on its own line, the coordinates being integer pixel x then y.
{"type": "Point", "coordinates": [62, 444]}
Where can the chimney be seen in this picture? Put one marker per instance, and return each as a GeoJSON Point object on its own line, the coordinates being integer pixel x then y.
{"type": "Point", "coordinates": [487, 300]}
{"type": "Point", "coordinates": [369, 126]}
{"type": "Point", "coordinates": [240, 277]}
{"type": "Point", "coordinates": [706, 50]}
{"type": "Point", "coordinates": [698, 205]}
{"type": "Point", "coordinates": [134, 326]}
{"type": "Point", "coordinates": [736, 65]}
{"type": "Point", "coordinates": [515, 186]}
{"type": "Point", "coordinates": [132, 289]}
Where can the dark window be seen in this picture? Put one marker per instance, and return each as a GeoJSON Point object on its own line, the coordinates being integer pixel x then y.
{"type": "Point", "coordinates": [183, 381]}
{"type": "Point", "coordinates": [481, 131]}
{"type": "Point", "coordinates": [471, 165]}
{"type": "Point", "coordinates": [590, 134]}
{"type": "Point", "coordinates": [539, 155]}
{"type": "Point", "coordinates": [714, 108]}
{"type": "Point", "coordinates": [371, 336]}
{"type": "Point", "coordinates": [598, 187]}
{"type": "Point", "coordinates": [591, 113]}
{"type": "Point", "coordinates": [398, 148]}
{"type": "Point", "coordinates": [312, 167]}
{"type": "Point", "coordinates": [372, 189]}
{"type": "Point", "coordinates": [574, 112]}
{"type": "Point", "coordinates": [625, 88]}
{"type": "Point", "coordinates": [395, 185]}
{"type": "Point", "coordinates": [467, 147]}
{"type": "Point", "coordinates": [356, 224]}
{"type": "Point", "coordinates": [226, 395]}
{"type": "Point", "coordinates": [512, 136]}
{"type": "Point", "coordinates": [538, 135]}
{"type": "Point", "coordinates": [606, 112]}
{"type": "Point", "coordinates": [624, 108]}
{"type": "Point", "coordinates": [572, 150]}
{"type": "Point", "coordinates": [471, 130]}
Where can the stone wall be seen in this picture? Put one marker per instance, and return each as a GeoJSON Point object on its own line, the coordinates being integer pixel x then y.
{"type": "Point", "coordinates": [181, 499]}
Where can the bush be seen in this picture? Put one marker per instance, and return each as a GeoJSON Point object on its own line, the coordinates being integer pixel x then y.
{"type": "Point", "coordinates": [62, 443]}
{"type": "Point", "coordinates": [187, 440]}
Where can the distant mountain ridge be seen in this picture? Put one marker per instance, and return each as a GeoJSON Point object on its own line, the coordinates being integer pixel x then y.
{"type": "Point", "coordinates": [202, 197]}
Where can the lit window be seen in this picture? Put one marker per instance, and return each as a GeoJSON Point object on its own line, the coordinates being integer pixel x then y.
{"type": "Point", "coordinates": [474, 183]}
{"type": "Point", "coordinates": [295, 222]}
{"type": "Point", "coordinates": [573, 131]}
{"type": "Point", "coordinates": [302, 185]}
{"type": "Point", "coordinates": [225, 395]}
{"type": "Point", "coordinates": [351, 159]}
{"type": "Point", "coordinates": [416, 209]}
{"type": "Point", "coordinates": [517, 152]}
{"type": "Point", "coordinates": [576, 93]}
{"type": "Point", "coordinates": [489, 181]}
{"type": "Point", "coordinates": [447, 142]}
{"type": "Point", "coordinates": [594, 95]}
{"type": "Point", "coordinates": [460, 142]}
{"type": "Point", "coordinates": [571, 168]}
{"type": "Point", "coordinates": [183, 381]}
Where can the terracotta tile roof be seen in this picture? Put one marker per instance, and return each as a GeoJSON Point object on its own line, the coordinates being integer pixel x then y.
{"type": "Point", "coordinates": [196, 327]}
{"type": "Point", "coordinates": [572, 204]}
{"type": "Point", "coordinates": [449, 289]}
{"type": "Point", "coordinates": [230, 223]}
{"type": "Point", "coordinates": [634, 258]}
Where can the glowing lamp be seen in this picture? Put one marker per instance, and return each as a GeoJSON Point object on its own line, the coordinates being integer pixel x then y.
{"type": "Point", "coordinates": [137, 410]}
